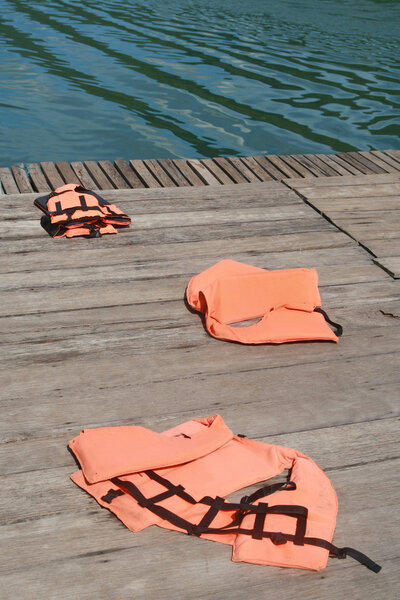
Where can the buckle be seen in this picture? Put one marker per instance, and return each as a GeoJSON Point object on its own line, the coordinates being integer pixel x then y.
{"type": "Point", "coordinates": [278, 538]}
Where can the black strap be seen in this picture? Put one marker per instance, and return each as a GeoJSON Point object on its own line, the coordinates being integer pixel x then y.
{"type": "Point", "coordinates": [339, 328]}
{"type": "Point", "coordinates": [111, 494]}
{"type": "Point", "coordinates": [218, 504]}
{"type": "Point", "coordinates": [84, 206]}
{"type": "Point", "coordinates": [269, 489]}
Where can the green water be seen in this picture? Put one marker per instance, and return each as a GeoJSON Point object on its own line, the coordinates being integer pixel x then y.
{"type": "Point", "coordinates": [179, 78]}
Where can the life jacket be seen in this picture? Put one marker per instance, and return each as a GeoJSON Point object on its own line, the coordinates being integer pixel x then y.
{"type": "Point", "coordinates": [72, 210]}
{"type": "Point", "coordinates": [178, 480]}
{"type": "Point", "coordinates": [287, 301]}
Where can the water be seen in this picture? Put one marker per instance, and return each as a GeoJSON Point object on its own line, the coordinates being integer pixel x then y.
{"type": "Point", "coordinates": [84, 79]}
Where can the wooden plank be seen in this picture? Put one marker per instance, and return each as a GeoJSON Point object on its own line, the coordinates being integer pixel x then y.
{"type": "Point", "coordinates": [388, 165]}
{"type": "Point", "coordinates": [159, 173]}
{"type": "Point", "coordinates": [392, 164]}
{"type": "Point", "coordinates": [344, 180]}
{"type": "Point", "coordinates": [38, 180]}
{"type": "Point", "coordinates": [201, 168]}
{"type": "Point", "coordinates": [269, 167]}
{"type": "Point", "coordinates": [305, 169]}
{"type": "Point", "coordinates": [7, 181]}
{"type": "Point", "coordinates": [122, 566]}
{"type": "Point", "coordinates": [363, 203]}
{"type": "Point", "coordinates": [188, 359]}
{"type": "Point", "coordinates": [391, 264]}
{"type": "Point", "coordinates": [349, 168]}
{"type": "Point", "coordinates": [348, 191]}
{"type": "Point", "coordinates": [83, 176]}
{"type": "Point", "coordinates": [98, 175]}
{"type": "Point", "coordinates": [256, 167]}
{"type": "Point", "coordinates": [351, 159]}
{"type": "Point", "coordinates": [185, 168]}
{"type": "Point", "coordinates": [113, 175]}
{"type": "Point", "coordinates": [213, 173]}
{"type": "Point", "coordinates": [144, 174]}
{"type": "Point", "coordinates": [52, 175]}
{"type": "Point", "coordinates": [283, 166]}
{"type": "Point", "coordinates": [129, 174]}
{"type": "Point", "coordinates": [395, 154]}
{"type": "Point", "coordinates": [337, 168]}
{"type": "Point", "coordinates": [173, 172]}
{"type": "Point", "coordinates": [365, 159]}
{"type": "Point", "coordinates": [228, 168]}
{"type": "Point", "coordinates": [21, 179]}
{"type": "Point", "coordinates": [241, 166]}
{"type": "Point", "coordinates": [208, 249]}
{"type": "Point", "coordinates": [66, 172]}
{"type": "Point", "coordinates": [324, 168]}
{"type": "Point", "coordinates": [111, 271]}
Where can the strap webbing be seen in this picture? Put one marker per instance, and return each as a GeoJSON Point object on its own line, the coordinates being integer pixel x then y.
{"type": "Point", "coordinates": [339, 328]}
{"type": "Point", "coordinates": [243, 508]}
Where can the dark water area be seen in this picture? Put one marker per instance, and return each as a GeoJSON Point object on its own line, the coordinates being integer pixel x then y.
{"type": "Point", "coordinates": [86, 80]}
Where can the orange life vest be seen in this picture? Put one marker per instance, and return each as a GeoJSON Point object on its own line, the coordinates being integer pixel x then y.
{"type": "Point", "coordinates": [177, 480]}
{"type": "Point", "coordinates": [287, 301]}
{"type": "Point", "coordinates": [72, 210]}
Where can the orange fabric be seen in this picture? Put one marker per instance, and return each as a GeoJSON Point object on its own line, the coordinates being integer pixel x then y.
{"type": "Point", "coordinates": [206, 458]}
{"type": "Point", "coordinates": [284, 300]}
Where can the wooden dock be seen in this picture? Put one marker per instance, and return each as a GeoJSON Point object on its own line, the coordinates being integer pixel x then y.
{"type": "Point", "coordinates": [95, 332]}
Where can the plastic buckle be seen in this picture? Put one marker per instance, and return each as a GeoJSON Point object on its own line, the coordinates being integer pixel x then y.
{"type": "Point", "coordinates": [278, 539]}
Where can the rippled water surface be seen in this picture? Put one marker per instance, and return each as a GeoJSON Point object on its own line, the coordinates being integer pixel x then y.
{"type": "Point", "coordinates": [84, 79]}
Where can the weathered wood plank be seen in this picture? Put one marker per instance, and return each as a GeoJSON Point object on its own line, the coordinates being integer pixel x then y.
{"type": "Point", "coordinates": [173, 172]}
{"type": "Point", "coordinates": [21, 179]}
{"type": "Point", "coordinates": [283, 166]}
{"type": "Point", "coordinates": [391, 264]}
{"type": "Point", "coordinates": [52, 175]}
{"type": "Point", "coordinates": [243, 169]}
{"type": "Point", "coordinates": [215, 174]}
{"type": "Point", "coordinates": [365, 159]}
{"type": "Point", "coordinates": [114, 253]}
{"type": "Point", "coordinates": [269, 167]}
{"type": "Point", "coordinates": [352, 160]}
{"type": "Point", "coordinates": [144, 174]}
{"type": "Point", "coordinates": [185, 168]}
{"type": "Point", "coordinates": [350, 168]}
{"type": "Point", "coordinates": [97, 174]}
{"type": "Point", "coordinates": [337, 169]}
{"type": "Point", "coordinates": [7, 181]}
{"type": "Point", "coordinates": [129, 174]}
{"type": "Point", "coordinates": [256, 168]}
{"type": "Point", "coordinates": [361, 204]}
{"type": "Point", "coordinates": [159, 173]}
{"type": "Point", "coordinates": [113, 175]}
{"type": "Point", "coordinates": [83, 176]}
{"type": "Point", "coordinates": [395, 154]}
{"type": "Point", "coordinates": [349, 191]}
{"type": "Point", "coordinates": [67, 173]}
{"type": "Point", "coordinates": [344, 180]}
{"type": "Point", "coordinates": [306, 169]}
{"type": "Point", "coordinates": [138, 268]}
{"type": "Point", "coordinates": [38, 180]}
{"type": "Point", "coordinates": [297, 165]}
{"type": "Point", "coordinates": [382, 160]}
{"type": "Point", "coordinates": [167, 371]}
{"type": "Point", "coordinates": [230, 170]}
{"type": "Point", "coordinates": [325, 169]}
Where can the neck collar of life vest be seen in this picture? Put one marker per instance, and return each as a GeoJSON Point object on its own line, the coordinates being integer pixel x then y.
{"type": "Point", "coordinates": [108, 452]}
